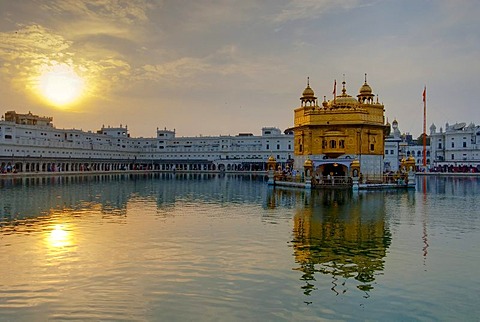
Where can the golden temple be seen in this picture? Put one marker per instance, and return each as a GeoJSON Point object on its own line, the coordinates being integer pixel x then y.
{"type": "Point", "coordinates": [338, 131]}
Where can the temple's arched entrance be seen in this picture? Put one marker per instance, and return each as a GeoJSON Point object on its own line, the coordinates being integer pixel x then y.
{"type": "Point", "coordinates": [331, 168]}
{"type": "Point", "coordinates": [334, 169]}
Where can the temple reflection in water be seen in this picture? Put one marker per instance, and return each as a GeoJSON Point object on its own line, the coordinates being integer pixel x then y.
{"type": "Point", "coordinates": [338, 233]}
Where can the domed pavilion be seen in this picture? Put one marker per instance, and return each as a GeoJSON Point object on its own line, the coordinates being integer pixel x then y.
{"type": "Point", "coordinates": [338, 131]}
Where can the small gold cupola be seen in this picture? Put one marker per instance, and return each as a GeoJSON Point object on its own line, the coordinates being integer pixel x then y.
{"type": "Point", "coordinates": [308, 98]}
{"type": "Point", "coordinates": [365, 95]}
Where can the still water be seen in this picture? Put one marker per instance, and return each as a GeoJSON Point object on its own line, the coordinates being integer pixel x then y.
{"type": "Point", "coordinates": [229, 248]}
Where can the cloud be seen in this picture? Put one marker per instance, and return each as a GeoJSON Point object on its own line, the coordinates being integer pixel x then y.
{"type": "Point", "coordinates": [226, 65]}
{"type": "Point", "coordinates": [308, 9]}
{"type": "Point", "coordinates": [79, 20]}
{"type": "Point", "coordinates": [31, 41]}
{"type": "Point", "coordinates": [27, 49]}
{"type": "Point", "coordinates": [124, 11]}
{"type": "Point", "coordinates": [23, 50]}
{"type": "Point", "coordinates": [184, 67]}
{"type": "Point", "coordinates": [254, 53]}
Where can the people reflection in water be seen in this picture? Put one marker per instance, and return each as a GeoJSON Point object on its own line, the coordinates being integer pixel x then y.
{"type": "Point", "coordinates": [343, 235]}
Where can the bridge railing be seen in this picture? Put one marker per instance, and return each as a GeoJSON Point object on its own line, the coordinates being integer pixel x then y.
{"type": "Point", "coordinates": [331, 181]}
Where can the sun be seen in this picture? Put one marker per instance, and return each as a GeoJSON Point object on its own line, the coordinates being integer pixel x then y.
{"type": "Point", "coordinates": [60, 85]}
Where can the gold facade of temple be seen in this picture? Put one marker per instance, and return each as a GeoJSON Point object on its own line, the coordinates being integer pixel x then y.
{"type": "Point", "coordinates": [341, 128]}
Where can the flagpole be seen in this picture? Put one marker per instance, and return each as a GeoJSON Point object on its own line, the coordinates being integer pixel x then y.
{"type": "Point", "coordinates": [334, 91]}
{"type": "Point", "coordinates": [425, 128]}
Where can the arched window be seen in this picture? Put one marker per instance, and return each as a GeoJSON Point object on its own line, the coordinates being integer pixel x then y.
{"type": "Point", "coordinates": [341, 144]}
{"type": "Point", "coordinates": [333, 144]}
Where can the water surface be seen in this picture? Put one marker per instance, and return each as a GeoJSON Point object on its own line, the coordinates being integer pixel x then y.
{"type": "Point", "coordinates": [230, 248]}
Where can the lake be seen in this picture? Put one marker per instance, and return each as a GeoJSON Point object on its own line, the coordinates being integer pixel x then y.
{"type": "Point", "coordinates": [208, 247]}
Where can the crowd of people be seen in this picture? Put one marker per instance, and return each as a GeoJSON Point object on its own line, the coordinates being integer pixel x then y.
{"type": "Point", "coordinates": [455, 169]}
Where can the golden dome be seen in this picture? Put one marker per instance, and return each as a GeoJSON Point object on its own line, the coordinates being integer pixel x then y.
{"type": "Point", "coordinates": [308, 92]}
{"type": "Point", "coordinates": [271, 158]}
{"type": "Point", "coordinates": [308, 163]}
{"type": "Point", "coordinates": [365, 89]}
{"type": "Point", "coordinates": [355, 162]}
{"type": "Point", "coordinates": [343, 100]}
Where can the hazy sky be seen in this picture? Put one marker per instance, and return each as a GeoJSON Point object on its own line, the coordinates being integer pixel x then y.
{"type": "Point", "coordinates": [222, 67]}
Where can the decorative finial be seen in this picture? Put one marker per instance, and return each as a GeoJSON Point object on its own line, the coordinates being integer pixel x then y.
{"type": "Point", "coordinates": [365, 78]}
{"type": "Point", "coordinates": [308, 81]}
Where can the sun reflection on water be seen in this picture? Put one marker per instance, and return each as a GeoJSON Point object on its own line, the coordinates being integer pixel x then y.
{"type": "Point", "coordinates": [59, 237]}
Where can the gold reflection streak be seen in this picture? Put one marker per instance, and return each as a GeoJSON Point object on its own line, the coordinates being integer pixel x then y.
{"type": "Point", "coordinates": [59, 237]}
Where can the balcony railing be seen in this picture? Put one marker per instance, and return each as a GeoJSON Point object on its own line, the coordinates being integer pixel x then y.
{"type": "Point", "coordinates": [333, 152]}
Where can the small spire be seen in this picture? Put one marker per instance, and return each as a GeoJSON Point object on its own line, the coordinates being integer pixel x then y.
{"type": "Point", "coordinates": [344, 90]}
{"type": "Point", "coordinates": [308, 81]}
{"type": "Point", "coordinates": [365, 78]}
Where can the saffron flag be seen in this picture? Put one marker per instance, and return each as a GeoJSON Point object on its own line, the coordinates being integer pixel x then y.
{"type": "Point", "coordinates": [424, 94]}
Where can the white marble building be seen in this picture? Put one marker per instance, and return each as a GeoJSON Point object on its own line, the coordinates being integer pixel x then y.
{"type": "Point", "coordinates": [457, 146]}
{"type": "Point", "coordinates": [29, 143]}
